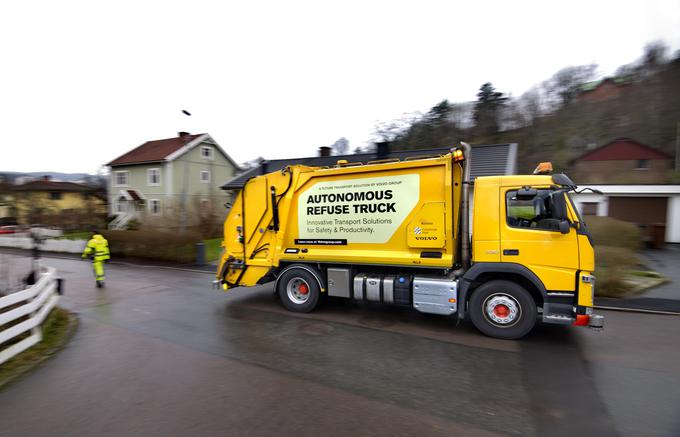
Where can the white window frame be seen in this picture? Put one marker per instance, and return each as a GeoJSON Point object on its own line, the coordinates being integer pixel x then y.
{"type": "Point", "coordinates": [121, 172]}
{"type": "Point", "coordinates": [211, 153]}
{"type": "Point", "coordinates": [158, 177]}
{"type": "Point", "coordinates": [200, 176]}
{"type": "Point", "coordinates": [150, 203]}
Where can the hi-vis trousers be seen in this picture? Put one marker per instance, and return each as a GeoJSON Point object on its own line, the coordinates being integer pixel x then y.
{"type": "Point", "coordinates": [98, 270]}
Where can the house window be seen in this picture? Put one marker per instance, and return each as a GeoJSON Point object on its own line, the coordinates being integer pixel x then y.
{"type": "Point", "coordinates": [154, 207]}
{"type": "Point", "coordinates": [642, 164]}
{"type": "Point", "coordinates": [207, 153]}
{"type": "Point", "coordinates": [205, 176]}
{"type": "Point", "coordinates": [120, 178]}
{"type": "Point", "coordinates": [119, 205]}
{"type": "Point", "coordinates": [153, 177]}
{"type": "Point", "coordinates": [55, 195]}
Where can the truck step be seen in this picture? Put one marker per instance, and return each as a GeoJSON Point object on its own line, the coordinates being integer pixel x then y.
{"type": "Point", "coordinates": [560, 319]}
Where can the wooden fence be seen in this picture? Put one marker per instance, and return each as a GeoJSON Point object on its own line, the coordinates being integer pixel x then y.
{"type": "Point", "coordinates": [31, 306]}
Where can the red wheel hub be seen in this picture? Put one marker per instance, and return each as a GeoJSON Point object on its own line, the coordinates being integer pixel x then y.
{"type": "Point", "coordinates": [501, 310]}
{"type": "Point", "coordinates": [303, 289]}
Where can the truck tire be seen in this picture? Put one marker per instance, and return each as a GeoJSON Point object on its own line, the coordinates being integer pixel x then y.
{"type": "Point", "coordinates": [502, 309]}
{"type": "Point", "coordinates": [298, 290]}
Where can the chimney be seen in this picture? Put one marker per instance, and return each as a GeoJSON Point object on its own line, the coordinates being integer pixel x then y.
{"type": "Point", "coordinates": [382, 150]}
{"type": "Point", "coordinates": [324, 151]}
{"type": "Point", "coordinates": [182, 134]}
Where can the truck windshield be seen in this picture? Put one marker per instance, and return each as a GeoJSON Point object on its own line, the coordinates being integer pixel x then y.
{"type": "Point", "coordinates": [582, 228]}
{"type": "Point", "coordinates": [576, 211]}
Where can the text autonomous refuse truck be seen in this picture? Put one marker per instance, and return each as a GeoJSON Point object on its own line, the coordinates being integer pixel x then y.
{"type": "Point", "coordinates": [398, 232]}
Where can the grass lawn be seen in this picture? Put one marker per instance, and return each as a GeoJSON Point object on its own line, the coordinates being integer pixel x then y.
{"type": "Point", "coordinates": [76, 235]}
{"type": "Point", "coordinates": [57, 329]}
{"type": "Point", "coordinates": [213, 249]}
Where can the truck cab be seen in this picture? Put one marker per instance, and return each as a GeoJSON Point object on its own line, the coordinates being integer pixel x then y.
{"type": "Point", "coordinates": [530, 233]}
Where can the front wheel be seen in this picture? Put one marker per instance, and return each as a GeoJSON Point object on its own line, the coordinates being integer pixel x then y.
{"type": "Point", "coordinates": [502, 309]}
{"type": "Point", "coordinates": [298, 290]}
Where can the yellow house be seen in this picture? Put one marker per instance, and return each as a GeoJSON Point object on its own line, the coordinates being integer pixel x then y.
{"type": "Point", "coordinates": [7, 210]}
{"type": "Point", "coordinates": [64, 204]}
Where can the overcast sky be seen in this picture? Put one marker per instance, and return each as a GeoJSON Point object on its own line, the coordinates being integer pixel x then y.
{"type": "Point", "coordinates": [83, 82]}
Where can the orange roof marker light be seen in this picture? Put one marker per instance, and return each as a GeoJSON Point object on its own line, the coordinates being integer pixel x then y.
{"type": "Point", "coordinates": [544, 168]}
{"type": "Point", "coordinates": [458, 155]}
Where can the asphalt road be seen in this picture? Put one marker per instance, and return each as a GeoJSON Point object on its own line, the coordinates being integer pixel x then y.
{"type": "Point", "coordinates": [159, 353]}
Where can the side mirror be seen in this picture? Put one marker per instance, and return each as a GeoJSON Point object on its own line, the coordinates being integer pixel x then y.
{"type": "Point", "coordinates": [564, 226]}
{"type": "Point", "coordinates": [559, 205]}
{"type": "Point", "coordinates": [526, 193]}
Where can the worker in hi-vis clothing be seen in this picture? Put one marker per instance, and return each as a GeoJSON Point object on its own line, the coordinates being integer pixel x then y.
{"type": "Point", "coordinates": [97, 249]}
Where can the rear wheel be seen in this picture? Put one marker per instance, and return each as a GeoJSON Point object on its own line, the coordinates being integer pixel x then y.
{"type": "Point", "coordinates": [298, 290]}
{"type": "Point", "coordinates": [502, 309]}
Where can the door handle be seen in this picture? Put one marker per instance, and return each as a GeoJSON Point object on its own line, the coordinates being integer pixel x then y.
{"type": "Point", "coordinates": [510, 252]}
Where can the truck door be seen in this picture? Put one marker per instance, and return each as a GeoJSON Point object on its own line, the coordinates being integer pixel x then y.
{"type": "Point", "coordinates": [531, 236]}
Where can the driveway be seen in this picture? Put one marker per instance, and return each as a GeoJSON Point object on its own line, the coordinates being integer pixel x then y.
{"type": "Point", "coordinates": [667, 262]}
{"type": "Point", "coordinates": [160, 353]}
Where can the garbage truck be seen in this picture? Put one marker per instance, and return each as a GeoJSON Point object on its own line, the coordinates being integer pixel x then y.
{"type": "Point", "coordinates": [500, 251]}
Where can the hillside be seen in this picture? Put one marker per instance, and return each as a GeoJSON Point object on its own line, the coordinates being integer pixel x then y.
{"type": "Point", "coordinates": [560, 118]}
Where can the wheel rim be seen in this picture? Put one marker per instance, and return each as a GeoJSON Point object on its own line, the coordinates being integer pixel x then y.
{"type": "Point", "coordinates": [297, 290]}
{"type": "Point", "coordinates": [502, 310]}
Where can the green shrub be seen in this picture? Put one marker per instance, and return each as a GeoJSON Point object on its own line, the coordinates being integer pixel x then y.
{"type": "Point", "coordinates": [157, 245]}
{"type": "Point", "coordinates": [133, 225]}
{"type": "Point", "coordinates": [612, 264]}
{"type": "Point", "coordinates": [607, 231]}
{"type": "Point", "coordinates": [213, 249]}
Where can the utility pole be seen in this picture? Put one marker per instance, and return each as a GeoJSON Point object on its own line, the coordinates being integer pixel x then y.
{"type": "Point", "coordinates": [677, 147]}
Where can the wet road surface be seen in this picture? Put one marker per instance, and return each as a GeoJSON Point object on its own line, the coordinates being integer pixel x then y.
{"type": "Point", "coordinates": [160, 353]}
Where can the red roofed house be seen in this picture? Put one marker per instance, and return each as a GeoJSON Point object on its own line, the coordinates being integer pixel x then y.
{"type": "Point", "coordinates": [604, 89]}
{"type": "Point", "coordinates": [174, 182]}
{"type": "Point", "coordinates": [623, 160]}
{"type": "Point", "coordinates": [633, 178]}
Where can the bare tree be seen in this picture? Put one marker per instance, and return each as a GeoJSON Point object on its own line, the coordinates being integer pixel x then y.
{"type": "Point", "coordinates": [564, 85]}
{"type": "Point", "coordinates": [341, 146]}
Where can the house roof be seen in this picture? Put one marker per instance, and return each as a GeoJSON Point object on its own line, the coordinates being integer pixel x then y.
{"type": "Point", "coordinates": [487, 160]}
{"type": "Point", "coordinates": [154, 151]}
{"type": "Point", "coordinates": [590, 86]}
{"type": "Point", "coordinates": [42, 185]}
{"type": "Point", "coordinates": [623, 149]}
{"type": "Point", "coordinates": [132, 195]}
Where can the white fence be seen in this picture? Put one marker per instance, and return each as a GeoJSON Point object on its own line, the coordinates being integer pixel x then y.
{"type": "Point", "coordinates": [49, 245]}
{"type": "Point", "coordinates": [37, 302]}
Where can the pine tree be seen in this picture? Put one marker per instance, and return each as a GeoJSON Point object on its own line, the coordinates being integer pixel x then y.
{"type": "Point", "coordinates": [487, 109]}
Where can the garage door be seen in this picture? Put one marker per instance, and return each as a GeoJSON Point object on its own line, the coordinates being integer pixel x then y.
{"type": "Point", "coordinates": [641, 210]}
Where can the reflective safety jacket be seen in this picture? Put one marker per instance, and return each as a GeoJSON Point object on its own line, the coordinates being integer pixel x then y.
{"type": "Point", "coordinates": [98, 248]}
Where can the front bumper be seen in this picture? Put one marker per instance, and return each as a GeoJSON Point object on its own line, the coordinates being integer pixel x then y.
{"type": "Point", "coordinates": [593, 321]}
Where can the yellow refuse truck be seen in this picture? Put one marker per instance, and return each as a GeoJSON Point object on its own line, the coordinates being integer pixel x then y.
{"type": "Point", "coordinates": [399, 232]}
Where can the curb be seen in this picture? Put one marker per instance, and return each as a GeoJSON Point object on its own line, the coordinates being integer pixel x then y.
{"type": "Point", "coordinates": [637, 310]}
{"type": "Point", "coordinates": [640, 304]}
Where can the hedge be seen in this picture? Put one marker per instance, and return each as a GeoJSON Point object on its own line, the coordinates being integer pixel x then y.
{"type": "Point", "coordinates": [157, 245]}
